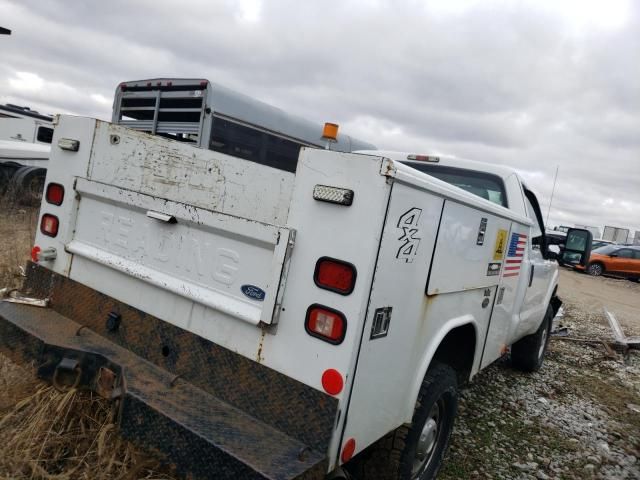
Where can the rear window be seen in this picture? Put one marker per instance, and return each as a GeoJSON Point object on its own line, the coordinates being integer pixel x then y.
{"type": "Point", "coordinates": [484, 185]}
{"type": "Point", "coordinates": [254, 145]}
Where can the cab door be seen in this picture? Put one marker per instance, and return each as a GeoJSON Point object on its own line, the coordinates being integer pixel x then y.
{"type": "Point", "coordinates": [538, 274]}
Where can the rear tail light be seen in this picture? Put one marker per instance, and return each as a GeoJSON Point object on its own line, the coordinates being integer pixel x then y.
{"type": "Point", "coordinates": [326, 324]}
{"type": "Point", "coordinates": [335, 275]}
{"type": "Point", "coordinates": [49, 225]}
{"type": "Point", "coordinates": [55, 193]}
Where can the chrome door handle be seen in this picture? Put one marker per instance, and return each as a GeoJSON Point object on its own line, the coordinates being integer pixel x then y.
{"type": "Point", "coordinates": [163, 217]}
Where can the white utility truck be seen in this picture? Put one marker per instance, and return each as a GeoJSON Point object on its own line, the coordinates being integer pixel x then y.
{"type": "Point", "coordinates": [279, 323]}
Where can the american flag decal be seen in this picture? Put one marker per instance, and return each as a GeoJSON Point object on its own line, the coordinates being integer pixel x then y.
{"type": "Point", "coordinates": [515, 254]}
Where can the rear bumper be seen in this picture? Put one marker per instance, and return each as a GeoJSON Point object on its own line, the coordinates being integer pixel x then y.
{"type": "Point", "coordinates": [181, 409]}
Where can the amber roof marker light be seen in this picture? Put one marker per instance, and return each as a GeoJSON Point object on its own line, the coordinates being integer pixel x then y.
{"type": "Point", "coordinates": [330, 134]}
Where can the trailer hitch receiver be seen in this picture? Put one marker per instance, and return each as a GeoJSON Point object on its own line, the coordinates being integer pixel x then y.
{"type": "Point", "coordinates": [67, 374]}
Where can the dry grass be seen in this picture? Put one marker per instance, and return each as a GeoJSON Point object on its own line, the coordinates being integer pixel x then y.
{"type": "Point", "coordinates": [17, 232]}
{"type": "Point", "coordinates": [45, 434]}
{"type": "Point", "coordinates": [50, 435]}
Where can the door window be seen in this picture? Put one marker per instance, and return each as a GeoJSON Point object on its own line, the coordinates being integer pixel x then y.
{"type": "Point", "coordinates": [536, 232]}
{"type": "Point", "coordinates": [625, 253]}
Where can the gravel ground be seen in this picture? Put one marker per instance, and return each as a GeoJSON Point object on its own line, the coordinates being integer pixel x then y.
{"type": "Point", "coordinates": [577, 418]}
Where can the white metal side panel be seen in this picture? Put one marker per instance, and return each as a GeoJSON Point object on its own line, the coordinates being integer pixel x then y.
{"type": "Point", "coordinates": [177, 171]}
{"type": "Point", "coordinates": [64, 166]}
{"type": "Point", "coordinates": [467, 254]}
{"type": "Point", "coordinates": [386, 364]}
{"type": "Point", "coordinates": [201, 255]}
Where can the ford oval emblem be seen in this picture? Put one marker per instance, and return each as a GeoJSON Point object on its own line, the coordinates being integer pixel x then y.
{"type": "Point", "coordinates": [253, 292]}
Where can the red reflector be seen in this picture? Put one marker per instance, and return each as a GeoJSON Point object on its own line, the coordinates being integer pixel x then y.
{"type": "Point", "coordinates": [325, 323]}
{"type": "Point", "coordinates": [348, 450]}
{"type": "Point", "coordinates": [169, 84]}
{"type": "Point", "coordinates": [55, 193]}
{"type": "Point", "coordinates": [332, 381]}
{"type": "Point", "coordinates": [203, 83]}
{"type": "Point", "coordinates": [35, 254]}
{"type": "Point", "coordinates": [148, 84]}
{"type": "Point", "coordinates": [335, 275]}
{"type": "Point", "coordinates": [49, 225]}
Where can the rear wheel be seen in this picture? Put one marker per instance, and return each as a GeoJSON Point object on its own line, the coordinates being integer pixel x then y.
{"type": "Point", "coordinates": [29, 184]}
{"type": "Point", "coordinates": [596, 269]}
{"type": "Point", "coordinates": [415, 452]}
{"type": "Point", "coordinates": [527, 354]}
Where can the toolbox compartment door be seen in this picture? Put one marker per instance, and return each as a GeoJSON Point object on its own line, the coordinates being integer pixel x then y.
{"type": "Point", "coordinates": [227, 263]}
{"type": "Point", "coordinates": [470, 251]}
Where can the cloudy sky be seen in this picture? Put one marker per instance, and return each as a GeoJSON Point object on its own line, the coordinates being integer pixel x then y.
{"type": "Point", "coordinates": [532, 84]}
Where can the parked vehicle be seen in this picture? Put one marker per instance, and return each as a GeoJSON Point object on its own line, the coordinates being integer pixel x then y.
{"type": "Point", "coordinates": [259, 322]}
{"type": "Point", "coordinates": [22, 172]}
{"type": "Point", "coordinates": [25, 138]}
{"type": "Point", "coordinates": [21, 124]}
{"type": "Point", "coordinates": [614, 259]}
{"type": "Point", "coordinates": [616, 234]}
{"type": "Point", "coordinates": [556, 241]}
{"type": "Point", "coordinates": [209, 115]}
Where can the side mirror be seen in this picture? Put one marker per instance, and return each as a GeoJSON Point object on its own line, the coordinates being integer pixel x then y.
{"type": "Point", "coordinates": [613, 255]}
{"type": "Point", "coordinates": [551, 255]}
{"type": "Point", "coordinates": [577, 247]}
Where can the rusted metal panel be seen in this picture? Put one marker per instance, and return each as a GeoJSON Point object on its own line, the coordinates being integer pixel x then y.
{"type": "Point", "coordinates": [271, 397]}
{"type": "Point", "coordinates": [176, 171]}
{"type": "Point", "coordinates": [192, 428]}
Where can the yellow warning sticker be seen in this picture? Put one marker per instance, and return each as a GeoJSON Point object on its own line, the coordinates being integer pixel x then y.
{"type": "Point", "coordinates": [501, 245]}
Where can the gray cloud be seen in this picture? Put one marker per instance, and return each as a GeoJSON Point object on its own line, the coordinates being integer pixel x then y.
{"type": "Point", "coordinates": [514, 83]}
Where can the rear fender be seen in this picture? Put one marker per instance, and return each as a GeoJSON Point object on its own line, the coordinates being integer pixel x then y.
{"type": "Point", "coordinates": [429, 353]}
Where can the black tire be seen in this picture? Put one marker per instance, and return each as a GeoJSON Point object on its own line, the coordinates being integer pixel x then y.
{"type": "Point", "coordinates": [7, 171]}
{"type": "Point", "coordinates": [595, 269]}
{"type": "Point", "coordinates": [396, 456]}
{"type": "Point", "coordinates": [527, 354]}
{"type": "Point", "coordinates": [29, 184]}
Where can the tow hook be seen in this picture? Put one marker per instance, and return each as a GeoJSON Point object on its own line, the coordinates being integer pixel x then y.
{"type": "Point", "coordinates": [106, 384]}
{"type": "Point", "coordinates": [67, 375]}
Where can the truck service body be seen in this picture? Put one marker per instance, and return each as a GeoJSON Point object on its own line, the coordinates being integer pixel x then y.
{"type": "Point", "coordinates": [257, 322]}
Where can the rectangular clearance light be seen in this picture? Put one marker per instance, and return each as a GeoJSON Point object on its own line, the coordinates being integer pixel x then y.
{"type": "Point", "coordinates": [335, 275]}
{"type": "Point", "coordinates": [69, 144]}
{"type": "Point", "coordinates": [423, 158]}
{"type": "Point", "coordinates": [325, 193]}
{"type": "Point", "coordinates": [326, 324]}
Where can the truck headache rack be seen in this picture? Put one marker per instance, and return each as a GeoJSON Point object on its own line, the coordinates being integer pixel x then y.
{"type": "Point", "coordinates": [175, 111]}
{"type": "Point", "coordinates": [265, 426]}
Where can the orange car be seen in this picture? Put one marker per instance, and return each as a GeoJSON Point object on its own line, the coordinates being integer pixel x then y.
{"type": "Point", "coordinates": [615, 259]}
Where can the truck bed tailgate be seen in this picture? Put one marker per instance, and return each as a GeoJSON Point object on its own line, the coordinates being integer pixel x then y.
{"type": "Point", "coordinates": [230, 264]}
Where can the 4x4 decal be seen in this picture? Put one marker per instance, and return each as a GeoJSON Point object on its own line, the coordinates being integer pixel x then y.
{"type": "Point", "coordinates": [409, 241]}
